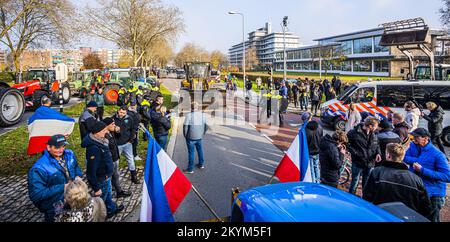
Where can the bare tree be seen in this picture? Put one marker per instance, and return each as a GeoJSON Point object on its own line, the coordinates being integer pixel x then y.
{"type": "Point", "coordinates": [47, 21]}
{"type": "Point", "coordinates": [7, 6]}
{"type": "Point", "coordinates": [133, 25]}
{"type": "Point", "coordinates": [191, 53]}
{"type": "Point", "coordinates": [159, 54]}
{"type": "Point", "coordinates": [445, 14]}
{"type": "Point", "coordinates": [251, 58]}
{"type": "Point", "coordinates": [218, 59]}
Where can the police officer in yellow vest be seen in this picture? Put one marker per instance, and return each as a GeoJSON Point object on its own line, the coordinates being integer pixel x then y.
{"type": "Point", "coordinates": [145, 110]}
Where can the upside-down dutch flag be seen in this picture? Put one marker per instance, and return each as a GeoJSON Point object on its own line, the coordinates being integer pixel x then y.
{"type": "Point", "coordinates": [165, 186]}
{"type": "Point", "coordinates": [43, 124]}
{"type": "Point", "coordinates": [294, 166]}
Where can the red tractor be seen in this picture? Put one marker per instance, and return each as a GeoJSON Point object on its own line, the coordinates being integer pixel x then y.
{"type": "Point", "coordinates": [38, 84]}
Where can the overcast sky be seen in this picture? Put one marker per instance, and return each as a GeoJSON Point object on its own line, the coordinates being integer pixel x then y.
{"type": "Point", "coordinates": [209, 25]}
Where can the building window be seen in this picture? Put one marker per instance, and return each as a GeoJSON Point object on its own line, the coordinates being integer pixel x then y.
{"type": "Point", "coordinates": [378, 47]}
{"type": "Point", "coordinates": [381, 66]}
{"type": "Point", "coordinates": [361, 46]}
{"type": "Point", "coordinates": [346, 48]}
{"type": "Point", "coordinates": [347, 66]}
{"type": "Point", "coordinates": [306, 54]}
{"type": "Point", "coordinates": [362, 66]}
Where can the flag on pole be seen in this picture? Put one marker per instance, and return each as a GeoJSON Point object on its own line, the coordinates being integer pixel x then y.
{"type": "Point", "coordinates": [165, 186]}
{"type": "Point", "coordinates": [43, 124]}
{"type": "Point", "coordinates": [294, 166]}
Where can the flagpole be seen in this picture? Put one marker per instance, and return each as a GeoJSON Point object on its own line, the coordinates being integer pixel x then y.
{"type": "Point", "coordinates": [206, 203]}
{"type": "Point", "coordinates": [271, 179]}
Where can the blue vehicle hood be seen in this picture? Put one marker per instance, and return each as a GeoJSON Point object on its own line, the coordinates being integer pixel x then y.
{"type": "Point", "coordinates": [307, 202]}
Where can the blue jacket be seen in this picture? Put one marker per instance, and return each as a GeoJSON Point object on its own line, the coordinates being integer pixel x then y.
{"type": "Point", "coordinates": [46, 180]}
{"type": "Point", "coordinates": [435, 169]}
{"type": "Point", "coordinates": [99, 163]}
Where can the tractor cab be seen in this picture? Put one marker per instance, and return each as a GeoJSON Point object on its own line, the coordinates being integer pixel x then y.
{"type": "Point", "coordinates": [197, 76]}
{"type": "Point", "coordinates": [80, 82]}
{"type": "Point", "coordinates": [441, 72]}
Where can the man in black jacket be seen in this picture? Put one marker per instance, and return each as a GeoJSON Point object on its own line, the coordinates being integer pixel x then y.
{"type": "Point", "coordinates": [393, 182]}
{"type": "Point", "coordinates": [125, 138]}
{"type": "Point", "coordinates": [114, 149]}
{"type": "Point", "coordinates": [87, 119]}
{"type": "Point", "coordinates": [387, 136]}
{"type": "Point", "coordinates": [365, 150]}
{"type": "Point", "coordinates": [332, 151]}
{"type": "Point", "coordinates": [435, 119]}
{"type": "Point", "coordinates": [161, 126]}
{"type": "Point", "coordinates": [99, 166]}
{"type": "Point", "coordinates": [133, 113]}
{"type": "Point", "coordinates": [314, 134]}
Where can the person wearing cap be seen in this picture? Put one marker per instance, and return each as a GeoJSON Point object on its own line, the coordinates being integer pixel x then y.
{"type": "Point", "coordinates": [125, 138]}
{"type": "Point", "coordinates": [386, 136]}
{"type": "Point", "coordinates": [133, 113]}
{"type": "Point", "coordinates": [314, 133]}
{"type": "Point", "coordinates": [49, 176]}
{"type": "Point", "coordinates": [114, 149]}
{"type": "Point", "coordinates": [430, 164]}
{"type": "Point", "coordinates": [87, 119]}
{"type": "Point", "coordinates": [99, 166]}
{"type": "Point", "coordinates": [392, 182]}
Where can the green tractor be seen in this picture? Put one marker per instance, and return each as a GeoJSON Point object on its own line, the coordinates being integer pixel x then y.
{"type": "Point", "coordinates": [127, 78]}
{"type": "Point", "coordinates": [80, 82]}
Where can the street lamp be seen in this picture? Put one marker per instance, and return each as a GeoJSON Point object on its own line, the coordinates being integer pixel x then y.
{"type": "Point", "coordinates": [284, 26]}
{"type": "Point", "coordinates": [243, 42]}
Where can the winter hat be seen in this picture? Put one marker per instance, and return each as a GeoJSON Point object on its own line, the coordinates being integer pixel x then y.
{"type": "Point", "coordinates": [98, 127]}
{"type": "Point", "coordinates": [92, 104]}
{"type": "Point", "coordinates": [385, 124]}
{"type": "Point", "coordinates": [108, 121]}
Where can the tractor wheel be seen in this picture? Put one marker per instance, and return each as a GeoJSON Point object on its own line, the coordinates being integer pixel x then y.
{"type": "Point", "coordinates": [83, 92]}
{"type": "Point", "coordinates": [66, 94]}
{"type": "Point", "coordinates": [111, 94]}
{"type": "Point", "coordinates": [38, 95]}
{"type": "Point", "coordinates": [12, 106]}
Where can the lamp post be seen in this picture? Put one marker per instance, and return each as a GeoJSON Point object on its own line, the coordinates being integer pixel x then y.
{"type": "Point", "coordinates": [243, 43]}
{"type": "Point", "coordinates": [284, 26]}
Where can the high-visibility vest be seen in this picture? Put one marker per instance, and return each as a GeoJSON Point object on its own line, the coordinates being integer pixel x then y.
{"type": "Point", "coordinates": [135, 89]}
{"type": "Point", "coordinates": [145, 103]}
{"type": "Point", "coordinates": [122, 91]}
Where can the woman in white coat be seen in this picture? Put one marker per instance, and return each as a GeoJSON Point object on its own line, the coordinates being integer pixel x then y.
{"type": "Point", "coordinates": [353, 118]}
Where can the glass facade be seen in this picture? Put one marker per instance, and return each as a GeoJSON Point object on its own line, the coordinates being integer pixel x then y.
{"type": "Point", "coordinates": [381, 65]}
{"type": "Point", "coordinates": [377, 47]}
{"type": "Point", "coordinates": [362, 66]}
{"type": "Point", "coordinates": [361, 46]}
{"type": "Point", "coordinates": [347, 47]}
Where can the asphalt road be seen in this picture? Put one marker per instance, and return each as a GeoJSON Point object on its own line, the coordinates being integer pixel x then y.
{"type": "Point", "coordinates": [236, 155]}
{"type": "Point", "coordinates": [27, 115]}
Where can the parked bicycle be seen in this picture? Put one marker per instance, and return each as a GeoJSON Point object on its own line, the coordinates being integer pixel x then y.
{"type": "Point", "coordinates": [345, 172]}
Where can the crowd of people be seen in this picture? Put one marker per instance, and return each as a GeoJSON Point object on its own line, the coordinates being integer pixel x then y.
{"type": "Point", "coordinates": [55, 182]}
{"type": "Point", "coordinates": [397, 160]}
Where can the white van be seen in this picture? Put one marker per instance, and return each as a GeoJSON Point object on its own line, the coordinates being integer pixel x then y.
{"type": "Point", "coordinates": [380, 97]}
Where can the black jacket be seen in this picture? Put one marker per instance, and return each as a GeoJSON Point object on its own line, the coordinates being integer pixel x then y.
{"type": "Point", "coordinates": [127, 132]}
{"type": "Point", "coordinates": [314, 134]}
{"type": "Point", "coordinates": [87, 121]}
{"type": "Point", "coordinates": [113, 148]}
{"type": "Point", "coordinates": [136, 119]}
{"type": "Point", "coordinates": [331, 160]}
{"type": "Point", "coordinates": [99, 164]}
{"type": "Point", "coordinates": [402, 129]}
{"type": "Point", "coordinates": [160, 124]}
{"type": "Point", "coordinates": [393, 182]}
{"type": "Point", "coordinates": [363, 148]}
{"type": "Point", "coordinates": [435, 119]}
{"type": "Point", "coordinates": [386, 137]}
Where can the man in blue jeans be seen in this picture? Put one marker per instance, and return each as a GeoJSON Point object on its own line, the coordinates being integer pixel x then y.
{"type": "Point", "coordinates": [100, 166]}
{"type": "Point", "coordinates": [314, 134]}
{"type": "Point", "coordinates": [430, 164]}
{"type": "Point", "coordinates": [194, 129]}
